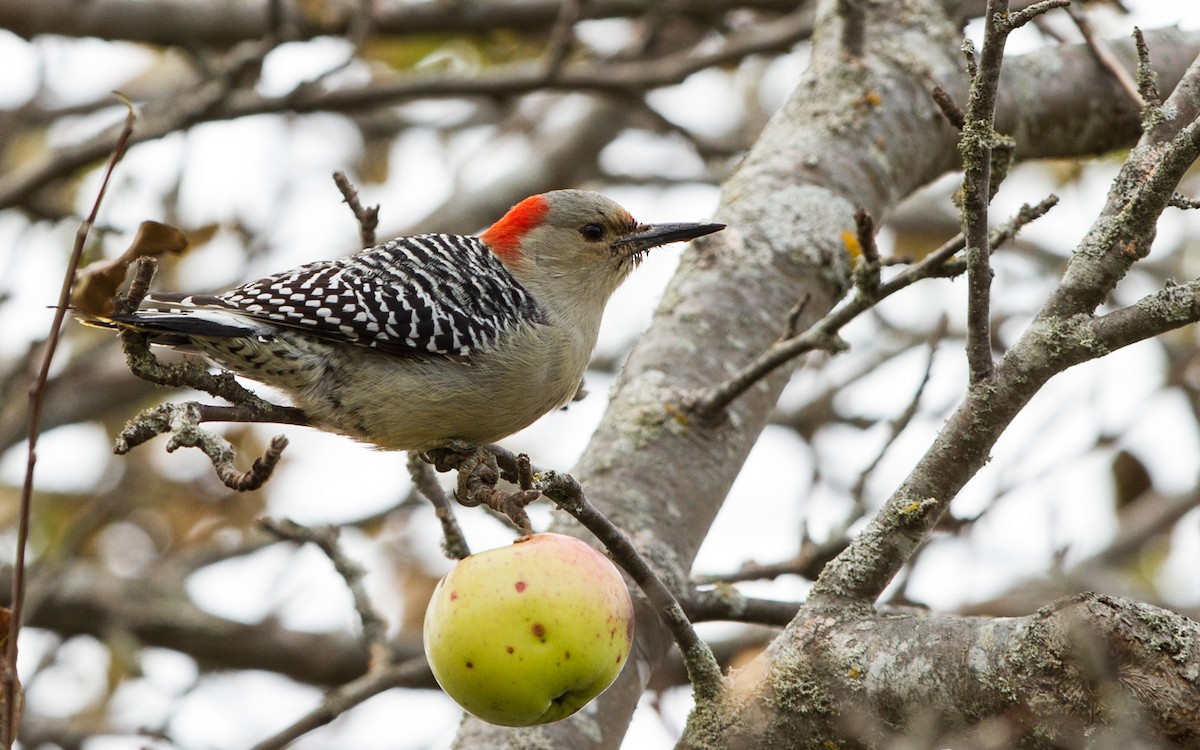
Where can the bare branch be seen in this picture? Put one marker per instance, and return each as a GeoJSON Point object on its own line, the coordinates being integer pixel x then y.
{"type": "Point", "coordinates": [10, 683]}
{"type": "Point", "coordinates": [454, 543]}
{"type": "Point", "coordinates": [1169, 308]}
{"type": "Point", "coordinates": [1010, 22]}
{"type": "Point", "coordinates": [808, 563]}
{"type": "Point", "coordinates": [865, 275]}
{"type": "Point", "coordinates": [1062, 334]}
{"type": "Point", "coordinates": [562, 37]}
{"type": "Point", "coordinates": [1106, 58]}
{"type": "Point", "coordinates": [366, 216]}
{"type": "Point", "coordinates": [1080, 666]}
{"type": "Point", "coordinates": [341, 699]}
{"type": "Point", "coordinates": [950, 110]}
{"type": "Point", "coordinates": [1147, 89]}
{"type": "Point", "coordinates": [177, 21]}
{"type": "Point", "coordinates": [707, 405]}
{"type": "Point", "coordinates": [727, 604]}
{"type": "Point", "coordinates": [325, 538]}
{"type": "Point", "coordinates": [1181, 201]}
{"type": "Point", "coordinates": [976, 146]}
{"type": "Point", "coordinates": [182, 422]}
{"type": "Point", "coordinates": [854, 21]}
{"type": "Point", "coordinates": [220, 102]}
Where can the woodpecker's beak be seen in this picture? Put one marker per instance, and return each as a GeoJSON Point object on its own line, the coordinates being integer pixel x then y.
{"type": "Point", "coordinates": [647, 236]}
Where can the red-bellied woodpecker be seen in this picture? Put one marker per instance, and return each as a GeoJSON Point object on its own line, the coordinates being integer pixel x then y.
{"type": "Point", "coordinates": [422, 340]}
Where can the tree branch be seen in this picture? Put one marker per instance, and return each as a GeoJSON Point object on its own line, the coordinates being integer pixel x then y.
{"type": "Point", "coordinates": [10, 683]}
{"type": "Point", "coordinates": [174, 22]}
{"type": "Point", "coordinates": [218, 102]}
{"type": "Point", "coordinates": [1077, 668]}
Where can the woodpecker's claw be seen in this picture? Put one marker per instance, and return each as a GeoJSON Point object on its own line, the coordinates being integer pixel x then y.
{"type": "Point", "coordinates": [478, 474]}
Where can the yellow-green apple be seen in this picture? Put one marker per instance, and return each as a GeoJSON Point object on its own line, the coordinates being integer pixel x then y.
{"type": "Point", "coordinates": [529, 633]}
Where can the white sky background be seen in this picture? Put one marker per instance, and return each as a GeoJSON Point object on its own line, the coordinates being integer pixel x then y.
{"type": "Point", "coordinates": [271, 174]}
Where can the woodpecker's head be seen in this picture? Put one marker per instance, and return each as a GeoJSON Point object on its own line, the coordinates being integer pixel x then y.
{"type": "Point", "coordinates": [578, 241]}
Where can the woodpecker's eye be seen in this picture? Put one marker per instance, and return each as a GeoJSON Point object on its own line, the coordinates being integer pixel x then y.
{"type": "Point", "coordinates": [592, 232]}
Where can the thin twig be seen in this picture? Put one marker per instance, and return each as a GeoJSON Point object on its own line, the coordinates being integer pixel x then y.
{"type": "Point", "coordinates": [360, 25]}
{"type": "Point", "coordinates": [1010, 22]}
{"type": "Point", "coordinates": [341, 699]}
{"type": "Point", "coordinates": [867, 269]}
{"type": "Point", "coordinates": [139, 286]}
{"type": "Point", "coordinates": [707, 405]}
{"type": "Point", "coordinates": [986, 157]}
{"type": "Point", "coordinates": [950, 110]}
{"type": "Point", "coordinates": [182, 422]}
{"type": "Point", "coordinates": [1179, 200]}
{"type": "Point", "coordinates": [562, 37]}
{"type": "Point", "coordinates": [502, 82]}
{"type": "Point", "coordinates": [727, 604]}
{"type": "Point", "coordinates": [274, 22]}
{"type": "Point", "coordinates": [703, 670]}
{"type": "Point", "coordinates": [1147, 88]}
{"type": "Point", "coordinates": [9, 680]}
{"type": "Point", "coordinates": [325, 538]}
{"type": "Point", "coordinates": [275, 414]}
{"type": "Point", "coordinates": [1104, 55]}
{"type": "Point", "coordinates": [791, 324]}
{"type": "Point", "coordinates": [454, 543]}
{"type": "Point", "coordinates": [1063, 333]}
{"type": "Point", "coordinates": [366, 216]}
{"type": "Point", "coordinates": [854, 21]}
{"type": "Point", "coordinates": [975, 145]}
{"type": "Point", "coordinates": [807, 563]}
{"type": "Point", "coordinates": [899, 424]}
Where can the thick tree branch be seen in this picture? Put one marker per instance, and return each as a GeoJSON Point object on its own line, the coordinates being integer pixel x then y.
{"type": "Point", "coordinates": [1077, 668]}
{"type": "Point", "coordinates": [173, 22]}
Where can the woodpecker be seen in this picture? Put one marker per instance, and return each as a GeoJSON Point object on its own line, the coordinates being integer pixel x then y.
{"type": "Point", "coordinates": [424, 340]}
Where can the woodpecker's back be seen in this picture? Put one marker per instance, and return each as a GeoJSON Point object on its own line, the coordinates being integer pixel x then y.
{"type": "Point", "coordinates": [428, 338]}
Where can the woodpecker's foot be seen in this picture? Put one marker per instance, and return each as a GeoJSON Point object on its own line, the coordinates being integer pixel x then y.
{"type": "Point", "coordinates": [452, 455]}
{"type": "Point", "coordinates": [581, 392]}
{"type": "Point", "coordinates": [477, 478]}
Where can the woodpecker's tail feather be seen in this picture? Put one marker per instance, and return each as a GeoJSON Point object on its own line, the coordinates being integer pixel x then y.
{"type": "Point", "coordinates": [176, 328]}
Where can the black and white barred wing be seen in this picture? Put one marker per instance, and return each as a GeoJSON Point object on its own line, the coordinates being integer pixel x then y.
{"type": "Point", "coordinates": [428, 295]}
